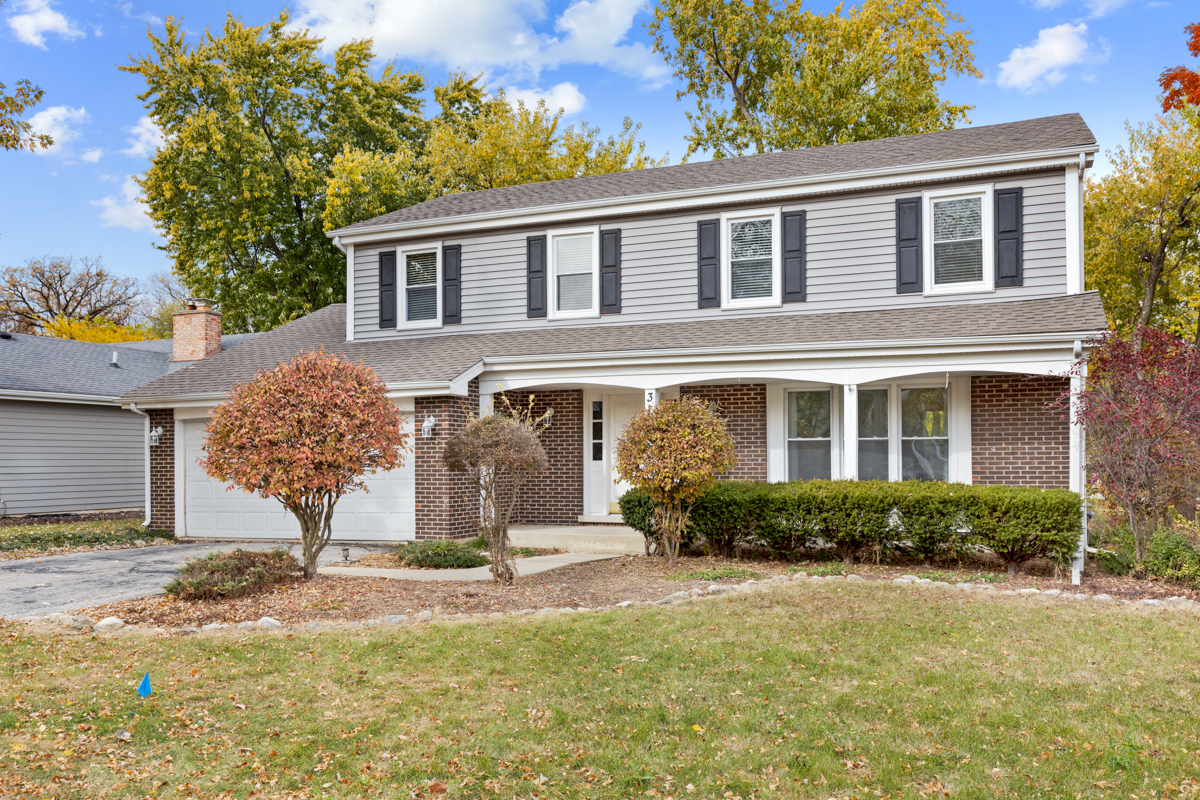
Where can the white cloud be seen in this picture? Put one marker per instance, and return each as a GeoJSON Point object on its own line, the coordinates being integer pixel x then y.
{"type": "Point", "coordinates": [31, 20]}
{"type": "Point", "coordinates": [145, 16]}
{"type": "Point", "coordinates": [91, 156]}
{"type": "Point", "coordinates": [490, 35]}
{"type": "Point", "coordinates": [1044, 63]}
{"type": "Point", "coordinates": [1097, 8]}
{"type": "Point", "coordinates": [128, 211]}
{"type": "Point", "coordinates": [147, 137]}
{"type": "Point", "coordinates": [57, 121]}
{"type": "Point", "coordinates": [565, 96]}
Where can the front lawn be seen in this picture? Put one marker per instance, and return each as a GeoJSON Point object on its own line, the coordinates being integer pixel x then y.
{"type": "Point", "coordinates": [25, 541]}
{"type": "Point", "coordinates": [810, 690]}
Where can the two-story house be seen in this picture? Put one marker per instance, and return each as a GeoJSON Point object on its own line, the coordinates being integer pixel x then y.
{"type": "Point", "coordinates": [893, 309]}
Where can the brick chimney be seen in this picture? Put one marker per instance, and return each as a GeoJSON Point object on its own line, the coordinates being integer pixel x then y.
{"type": "Point", "coordinates": [197, 330]}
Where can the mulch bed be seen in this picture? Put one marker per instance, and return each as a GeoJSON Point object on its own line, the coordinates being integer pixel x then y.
{"type": "Point", "coordinates": [602, 583]}
{"type": "Point", "coordinates": [389, 560]}
{"type": "Point", "coordinates": [63, 519]}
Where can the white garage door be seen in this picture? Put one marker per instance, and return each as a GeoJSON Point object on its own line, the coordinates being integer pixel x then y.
{"type": "Point", "coordinates": [386, 513]}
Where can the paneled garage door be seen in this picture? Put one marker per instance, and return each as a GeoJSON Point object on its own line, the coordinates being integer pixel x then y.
{"type": "Point", "coordinates": [386, 513]}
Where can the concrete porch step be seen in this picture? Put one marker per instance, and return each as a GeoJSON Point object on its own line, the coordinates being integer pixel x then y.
{"type": "Point", "coordinates": [579, 538]}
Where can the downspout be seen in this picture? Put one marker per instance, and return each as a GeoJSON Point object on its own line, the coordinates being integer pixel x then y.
{"type": "Point", "coordinates": [133, 407]}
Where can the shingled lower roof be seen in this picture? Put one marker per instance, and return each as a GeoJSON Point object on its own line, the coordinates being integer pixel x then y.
{"type": "Point", "coordinates": [442, 358]}
{"type": "Point", "coordinates": [1011, 138]}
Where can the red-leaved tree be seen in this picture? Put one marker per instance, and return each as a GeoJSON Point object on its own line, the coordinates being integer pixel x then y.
{"type": "Point", "coordinates": [306, 433]}
{"type": "Point", "coordinates": [1180, 85]}
{"type": "Point", "coordinates": [1141, 409]}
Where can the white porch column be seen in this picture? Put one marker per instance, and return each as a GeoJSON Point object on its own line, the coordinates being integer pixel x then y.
{"type": "Point", "coordinates": [651, 398]}
{"type": "Point", "coordinates": [487, 404]}
{"type": "Point", "coordinates": [850, 432]}
{"type": "Point", "coordinates": [1077, 482]}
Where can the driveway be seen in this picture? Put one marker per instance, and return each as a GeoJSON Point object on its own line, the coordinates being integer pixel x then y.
{"type": "Point", "coordinates": [37, 586]}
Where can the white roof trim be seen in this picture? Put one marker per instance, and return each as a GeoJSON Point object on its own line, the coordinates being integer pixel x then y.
{"type": "Point", "coordinates": [59, 397]}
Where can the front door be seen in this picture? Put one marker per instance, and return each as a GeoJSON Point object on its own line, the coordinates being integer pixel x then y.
{"type": "Point", "coordinates": [623, 408]}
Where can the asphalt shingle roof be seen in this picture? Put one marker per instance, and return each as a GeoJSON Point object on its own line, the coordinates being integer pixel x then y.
{"type": "Point", "coordinates": [444, 357]}
{"type": "Point", "coordinates": [62, 366]}
{"type": "Point", "coordinates": [1046, 133]}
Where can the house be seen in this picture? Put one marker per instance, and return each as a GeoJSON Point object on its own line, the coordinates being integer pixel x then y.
{"type": "Point", "coordinates": [899, 308]}
{"type": "Point", "coordinates": [66, 446]}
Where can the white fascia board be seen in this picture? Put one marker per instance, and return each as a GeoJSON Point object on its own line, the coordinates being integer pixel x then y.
{"type": "Point", "coordinates": [59, 397]}
{"type": "Point", "coordinates": [178, 401]}
{"type": "Point", "coordinates": [786, 188]}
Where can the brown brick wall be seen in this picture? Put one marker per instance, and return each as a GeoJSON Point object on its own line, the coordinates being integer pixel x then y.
{"type": "Point", "coordinates": [744, 409]}
{"type": "Point", "coordinates": [555, 497]}
{"type": "Point", "coordinates": [162, 471]}
{"type": "Point", "coordinates": [1015, 440]}
{"type": "Point", "coordinates": [447, 505]}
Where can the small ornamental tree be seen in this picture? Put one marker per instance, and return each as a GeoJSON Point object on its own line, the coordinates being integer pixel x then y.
{"type": "Point", "coordinates": [498, 453]}
{"type": "Point", "coordinates": [306, 433]}
{"type": "Point", "coordinates": [1141, 410]}
{"type": "Point", "coordinates": [674, 453]}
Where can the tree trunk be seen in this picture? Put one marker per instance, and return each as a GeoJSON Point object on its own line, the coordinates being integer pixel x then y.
{"type": "Point", "coordinates": [1014, 568]}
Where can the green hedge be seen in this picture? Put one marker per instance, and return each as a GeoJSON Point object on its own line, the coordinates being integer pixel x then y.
{"type": "Point", "coordinates": [856, 518]}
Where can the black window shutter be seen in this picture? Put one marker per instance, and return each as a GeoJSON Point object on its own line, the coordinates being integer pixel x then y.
{"type": "Point", "coordinates": [535, 276]}
{"type": "Point", "coordinates": [610, 271]}
{"type": "Point", "coordinates": [1009, 211]}
{"type": "Point", "coordinates": [452, 284]}
{"type": "Point", "coordinates": [908, 245]}
{"type": "Point", "coordinates": [708, 263]}
{"type": "Point", "coordinates": [387, 289]}
{"type": "Point", "coordinates": [794, 281]}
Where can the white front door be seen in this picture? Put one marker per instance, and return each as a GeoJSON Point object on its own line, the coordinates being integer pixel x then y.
{"type": "Point", "coordinates": [622, 409]}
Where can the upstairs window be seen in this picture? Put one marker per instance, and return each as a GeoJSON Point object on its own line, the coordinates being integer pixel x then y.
{"type": "Point", "coordinates": [750, 262]}
{"type": "Point", "coordinates": [574, 264]}
{"type": "Point", "coordinates": [958, 233]}
{"type": "Point", "coordinates": [421, 287]}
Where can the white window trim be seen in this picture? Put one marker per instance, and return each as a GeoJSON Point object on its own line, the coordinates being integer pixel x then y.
{"type": "Point", "coordinates": [835, 424]}
{"type": "Point", "coordinates": [989, 236]}
{"type": "Point", "coordinates": [552, 311]}
{"type": "Point", "coordinates": [402, 322]}
{"type": "Point", "coordinates": [776, 298]}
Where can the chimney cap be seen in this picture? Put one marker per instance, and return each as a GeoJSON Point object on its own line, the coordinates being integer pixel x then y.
{"type": "Point", "coordinates": [199, 304]}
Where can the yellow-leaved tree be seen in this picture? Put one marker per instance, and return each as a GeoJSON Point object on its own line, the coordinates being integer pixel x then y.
{"type": "Point", "coordinates": [94, 330]}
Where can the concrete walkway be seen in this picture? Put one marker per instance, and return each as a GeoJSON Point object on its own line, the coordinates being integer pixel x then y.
{"type": "Point", "coordinates": [525, 566]}
{"type": "Point", "coordinates": [618, 539]}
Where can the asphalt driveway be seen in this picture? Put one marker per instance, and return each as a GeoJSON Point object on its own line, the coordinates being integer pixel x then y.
{"type": "Point", "coordinates": [38, 586]}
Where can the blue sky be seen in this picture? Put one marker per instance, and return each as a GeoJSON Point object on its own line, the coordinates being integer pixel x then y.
{"type": "Point", "coordinates": [1039, 57]}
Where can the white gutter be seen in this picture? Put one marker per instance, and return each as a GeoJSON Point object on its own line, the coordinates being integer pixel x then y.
{"type": "Point", "coordinates": [713, 195]}
{"type": "Point", "coordinates": [133, 407]}
{"type": "Point", "coordinates": [58, 397]}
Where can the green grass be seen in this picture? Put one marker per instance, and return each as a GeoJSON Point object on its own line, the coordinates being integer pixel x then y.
{"type": "Point", "coordinates": [716, 574]}
{"type": "Point", "coordinates": [805, 691]}
{"type": "Point", "coordinates": [823, 568]}
{"type": "Point", "coordinates": [75, 534]}
{"type": "Point", "coordinates": [951, 576]}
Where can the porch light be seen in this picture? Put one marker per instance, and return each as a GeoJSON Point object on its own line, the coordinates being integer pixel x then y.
{"type": "Point", "coordinates": [549, 416]}
{"type": "Point", "coordinates": [154, 434]}
{"type": "Point", "coordinates": [427, 427]}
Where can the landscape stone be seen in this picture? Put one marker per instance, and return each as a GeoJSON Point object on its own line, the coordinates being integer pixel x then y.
{"type": "Point", "coordinates": [213, 626]}
{"type": "Point", "coordinates": [186, 630]}
{"type": "Point", "coordinates": [314, 625]}
{"type": "Point", "coordinates": [911, 577]}
{"type": "Point", "coordinates": [139, 542]}
{"type": "Point", "coordinates": [628, 603]}
{"type": "Point", "coordinates": [268, 624]}
{"type": "Point", "coordinates": [80, 623]}
{"type": "Point", "coordinates": [1081, 596]}
{"type": "Point", "coordinates": [924, 581]}
{"type": "Point", "coordinates": [1102, 598]}
{"type": "Point", "coordinates": [396, 619]}
{"type": "Point", "coordinates": [800, 576]}
{"type": "Point", "coordinates": [423, 616]}
{"type": "Point", "coordinates": [1148, 602]}
{"type": "Point", "coordinates": [941, 583]}
{"type": "Point", "coordinates": [246, 624]}
{"type": "Point", "coordinates": [1052, 592]}
{"type": "Point", "coordinates": [1029, 591]}
{"type": "Point", "coordinates": [901, 581]}
{"type": "Point", "coordinates": [696, 592]}
{"type": "Point", "coordinates": [857, 578]}
{"type": "Point", "coordinates": [109, 624]}
{"type": "Point", "coordinates": [964, 585]}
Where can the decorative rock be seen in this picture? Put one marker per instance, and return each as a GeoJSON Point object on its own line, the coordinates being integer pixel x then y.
{"type": "Point", "coordinates": [372, 623]}
{"type": "Point", "coordinates": [1101, 598]}
{"type": "Point", "coordinates": [1007, 591]}
{"type": "Point", "coordinates": [677, 596]}
{"type": "Point", "coordinates": [495, 614]}
{"type": "Point", "coordinates": [984, 587]}
{"type": "Point", "coordinates": [80, 623]}
{"type": "Point", "coordinates": [1029, 591]}
{"type": "Point", "coordinates": [913, 578]}
{"type": "Point", "coordinates": [942, 584]}
{"type": "Point", "coordinates": [964, 586]}
{"type": "Point", "coordinates": [56, 618]}
{"type": "Point", "coordinates": [549, 610]}
{"type": "Point", "coordinates": [268, 624]}
{"type": "Point", "coordinates": [1051, 592]}
{"type": "Point", "coordinates": [901, 581]}
{"type": "Point", "coordinates": [628, 603]}
{"type": "Point", "coordinates": [696, 592]}
{"type": "Point", "coordinates": [314, 625]}
{"type": "Point", "coordinates": [396, 619]}
{"type": "Point", "coordinates": [924, 581]}
{"type": "Point", "coordinates": [245, 624]}
{"type": "Point", "coordinates": [109, 624]}
{"type": "Point", "coordinates": [186, 630]}
{"type": "Point", "coordinates": [139, 542]}
{"type": "Point", "coordinates": [213, 626]}
{"type": "Point", "coordinates": [856, 578]}
{"type": "Point", "coordinates": [800, 576]}
{"type": "Point", "coordinates": [1081, 596]}
{"type": "Point", "coordinates": [162, 540]}
{"type": "Point", "coordinates": [662, 602]}
{"type": "Point", "coordinates": [833, 577]}
{"type": "Point", "coordinates": [423, 616]}
{"type": "Point", "coordinates": [1126, 602]}
{"type": "Point", "coordinates": [1145, 602]}
{"type": "Point", "coordinates": [567, 610]}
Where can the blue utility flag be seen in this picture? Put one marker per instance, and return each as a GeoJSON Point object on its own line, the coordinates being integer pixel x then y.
{"type": "Point", "coordinates": [144, 686]}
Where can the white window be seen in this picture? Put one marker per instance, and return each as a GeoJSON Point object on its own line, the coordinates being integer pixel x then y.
{"type": "Point", "coordinates": [421, 282]}
{"type": "Point", "coordinates": [809, 435]}
{"type": "Point", "coordinates": [574, 273]}
{"type": "Point", "coordinates": [873, 459]}
{"type": "Point", "coordinates": [958, 241]}
{"type": "Point", "coordinates": [924, 434]}
{"type": "Point", "coordinates": [750, 259]}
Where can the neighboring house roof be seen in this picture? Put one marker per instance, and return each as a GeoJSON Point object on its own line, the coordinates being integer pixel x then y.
{"type": "Point", "coordinates": [44, 365]}
{"type": "Point", "coordinates": [1028, 136]}
{"type": "Point", "coordinates": [433, 359]}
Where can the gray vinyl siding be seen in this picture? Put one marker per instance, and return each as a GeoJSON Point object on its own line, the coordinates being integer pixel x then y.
{"type": "Point", "coordinates": [61, 457]}
{"type": "Point", "coordinates": [851, 264]}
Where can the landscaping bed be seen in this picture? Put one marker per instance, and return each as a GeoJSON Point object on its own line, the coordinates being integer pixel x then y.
{"type": "Point", "coordinates": [73, 534]}
{"type": "Point", "coordinates": [393, 561]}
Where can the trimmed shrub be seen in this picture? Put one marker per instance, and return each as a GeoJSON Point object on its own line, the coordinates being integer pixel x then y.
{"type": "Point", "coordinates": [1173, 557]}
{"type": "Point", "coordinates": [736, 512]}
{"type": "Point", "coordinates": [236, 574]}
{"type": "Point", "coordinates": [931, 517]}
{"type": "Point", "coordinates": [1018, 524]}
{"type": "Point", "coordinates": [441, 554]}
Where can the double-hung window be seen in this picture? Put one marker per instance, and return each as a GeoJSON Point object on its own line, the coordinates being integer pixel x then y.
{"type": "Point", "coordinates": [959, 242]}
{"type": "Point", "coordinates": [873, 434]}
{"type": "Point", "coordinates": [750, 259]}
{"type": "Point", "coordinates": [924, 435]}
{"type": "Point", "coordinates": [574, 273]}
{"type": "Point", "coordinates": [809, 435]}
{"type": "Point", "coordinates": [420, 272]}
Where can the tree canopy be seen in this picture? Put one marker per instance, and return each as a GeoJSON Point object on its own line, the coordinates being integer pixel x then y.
{"type": "Point", "coordinates": [774, 77]}
{"type": "Point", "coordinates": [51, 288]}
{"type": "Point", "coordinates": [1180, 85]}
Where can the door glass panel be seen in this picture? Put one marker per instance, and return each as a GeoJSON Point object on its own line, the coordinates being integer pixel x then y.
{"type": "Point", "coordinates": [924, 435]}
{"type": "Point", "coordinates": [873, 434]}
{"type": "Point", "coordinates": [597, 430]}
{"type": "Point", "coordinates": [809, 446]}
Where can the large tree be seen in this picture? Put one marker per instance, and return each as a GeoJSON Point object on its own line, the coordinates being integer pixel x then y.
{"type": "Point", "coordinates": [51, 288]}
{"type": "Point", "coordinates": [253, 120]}
{"type": "Point", "coordinates": [1142, 237]}
{"type": "Point", "coordinates": [767, 76]}
{"type": "Point", "coordinates": [1181, 86]}
{"type": "Point", "coordinates": [16, 133]}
